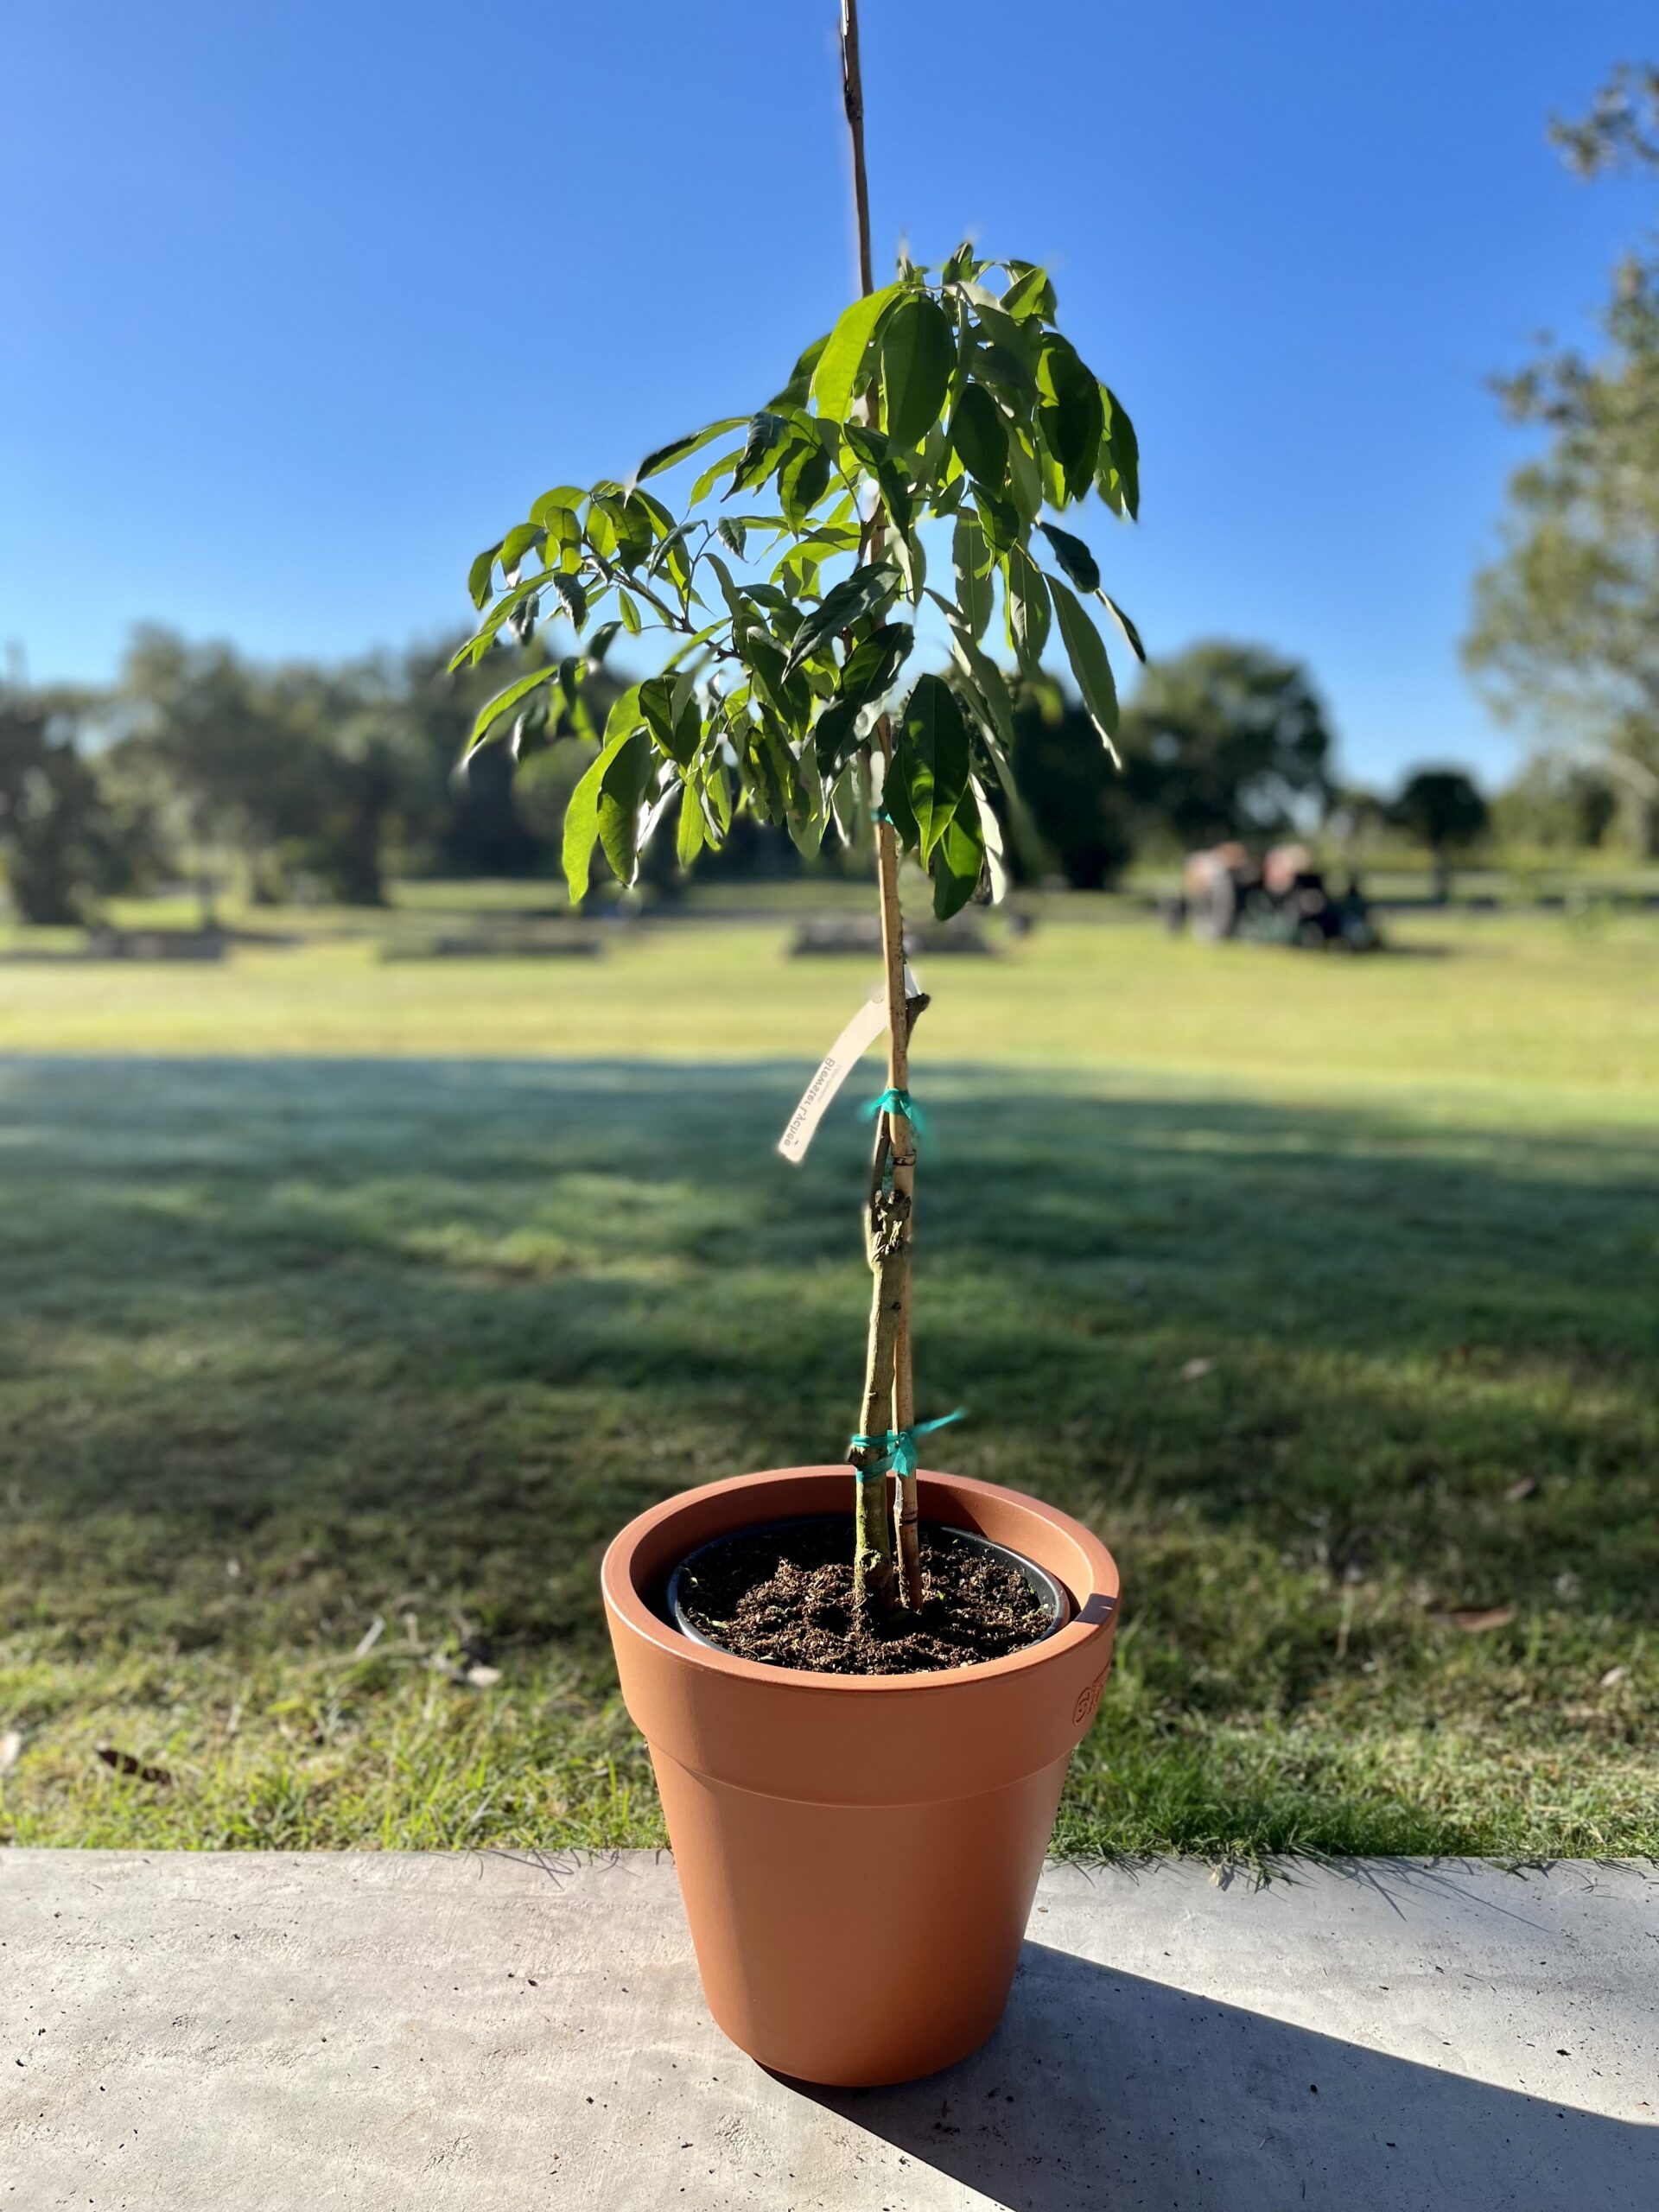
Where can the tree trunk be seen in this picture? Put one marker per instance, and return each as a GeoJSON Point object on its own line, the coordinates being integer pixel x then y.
{"type": "Point", "coordinates": [889, 1401]}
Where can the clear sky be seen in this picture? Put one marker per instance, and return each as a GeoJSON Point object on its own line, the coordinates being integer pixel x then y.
{"type": "Point", "coordinates": [304, 302]}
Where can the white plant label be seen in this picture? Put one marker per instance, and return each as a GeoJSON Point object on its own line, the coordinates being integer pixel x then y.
{"type": "Point", "coordinates": [833, 1069]}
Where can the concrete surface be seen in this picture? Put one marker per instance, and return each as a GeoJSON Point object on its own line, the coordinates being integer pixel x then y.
{"type": "Point", "coordinates": [250, 2033]}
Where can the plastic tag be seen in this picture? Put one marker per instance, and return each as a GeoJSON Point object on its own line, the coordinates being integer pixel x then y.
{"type": "Point", "coordinates": [833, 1069]}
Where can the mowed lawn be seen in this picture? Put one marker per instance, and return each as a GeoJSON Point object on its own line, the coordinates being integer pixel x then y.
{"type": "Point", "coordinates": [348, 1305]}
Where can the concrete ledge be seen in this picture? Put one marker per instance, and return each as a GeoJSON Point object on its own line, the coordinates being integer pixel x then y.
{"type": "Point", "coordinates": [244, 2032]}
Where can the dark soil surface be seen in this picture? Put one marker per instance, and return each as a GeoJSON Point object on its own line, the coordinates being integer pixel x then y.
{"type": "Point", "coordinates": [785, 1596]}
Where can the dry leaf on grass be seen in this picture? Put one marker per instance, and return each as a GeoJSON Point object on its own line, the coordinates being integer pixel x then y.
{"type": "Point", "coordinates": [125, 1763]}
{"type": "Point", "coordinates": [1614, 1676]}
{"type": "Point", "coordinates": [1476, 1620]}
{"type": "Point", "coordinates": [1196, 1369]}
{"type": "Point", "coordinates": [1522, 1486]}
{"type": "Point", "coordinates": [370, 1638]}
{"type": "Point", "coordinates": [11, 1750]}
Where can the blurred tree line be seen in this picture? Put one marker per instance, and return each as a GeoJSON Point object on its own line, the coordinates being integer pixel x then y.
{"type": "Point", "coordinates": [323, 783]}
{"type": "Point", "coordinates": [1565, 630]}
{"type": "Point", "coordinates": [298, 780]}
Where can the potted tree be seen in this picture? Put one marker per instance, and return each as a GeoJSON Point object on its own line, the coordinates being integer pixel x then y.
{"type": "Point", "coordinates": [861, 1682]}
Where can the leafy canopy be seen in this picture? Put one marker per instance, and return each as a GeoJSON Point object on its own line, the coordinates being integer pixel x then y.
{"type": "Point", "coordinates": [790, 587]}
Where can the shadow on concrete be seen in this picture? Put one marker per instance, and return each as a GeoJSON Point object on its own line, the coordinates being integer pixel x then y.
{"type": "Point", "coordinates": [1104, 2089]}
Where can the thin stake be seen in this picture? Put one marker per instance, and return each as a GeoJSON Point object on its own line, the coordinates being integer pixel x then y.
{"type": "Point", "coordinates": [889, 1395]}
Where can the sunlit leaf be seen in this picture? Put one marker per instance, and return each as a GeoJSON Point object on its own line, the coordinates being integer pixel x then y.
{"type": "Point", "coordinates": [480, 575]}
{"type": "Point", "coordinates": [502, 703]}
{"type": "Point", "coordinates": [1089, 665]}
{"type": "Point", "coordinates": [679, 449]}
{"type": "Point", "coordinates": [837, 374]}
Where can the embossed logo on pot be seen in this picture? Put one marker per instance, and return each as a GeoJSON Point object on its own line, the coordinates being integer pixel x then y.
{"type": "Point", "coordinates": [1089, 1699]}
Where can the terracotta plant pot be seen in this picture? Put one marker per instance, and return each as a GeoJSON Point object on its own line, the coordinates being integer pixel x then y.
{"type": "Point", "coordinates": [786, 1792]}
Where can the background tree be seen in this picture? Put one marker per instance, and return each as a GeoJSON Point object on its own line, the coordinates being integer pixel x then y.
{"type": "Point", "coordinates": [1227, 740]}
{"type": "Point", "coordinates": [1076, 801]}
{"type": "Point", "coordinates": [1556, 802]}
{"type": "Point", "coordinates": [1441, 808]}
{"type": "Point", "coordinates": [1566, 629]}
{"type": "Point", "coordinates": [62, 845]}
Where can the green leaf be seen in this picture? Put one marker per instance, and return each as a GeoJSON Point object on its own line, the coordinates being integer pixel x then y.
{"type": "Point", "coordinates": [1026, 599]}
{"type": "Point", "coordinates": [975, 573]}
{"type": "Point", "coordinates": [836, 376]}
{"type": "Point", "coordinates": [869, 587]}
{"type": "Point", "coordinates": [797, 392]}
{"type": "Point", "coordinates": [569, 496]}
{"type": "Point", "coordinates": [933, 758]}
{"type": "Point", "coordinates": [980, 438]}
{"type": "Point", "coordinates": [673, 716]}
{"type": "Point", "coordinates": [621, 790]}
{"type": "Point", "coordinates": [834, 735]}
{"type": "Point", "coordinates": [1074, 557]}
{"type": "Point", "coordinates": [762, 453]}
{"type": "Point", "coordinates": [1123, 448]}
{"type": "Point", "coordinates": [874, 661]}
{"type": "Point", "coordinates": [989, 690]}
{"type": "Point", "coordinates": [691, 835]}
{"type": "Point", "coordinates": [503, 702]}
{"type": "Point", "coordinates": [958, 859]}
{"type": "Point", "coordinates": [732, 534]}
{"type": "Point", "coordinates": [563, 547]}
{"type": "Point", "coordinates": [518, 541]}
{"type": "Point", "coordinates": [1089, 663]}
{"type": "Point", "coordinates": [682, 448]}
{"type": "Point", "coordinates": [711, 476]}
{"type": "Point", "coordinates": [582, 815]}
{"type": "Point", "coordinates": [1125, 625]}
{"type": "Point", "coordinates": [480, 575]}
{"type": "Point", "coordinates": [1030, 294]}
{"type": "Point", "coordinates": [574, 598]}
{"type": "Point", "coordinates": [631, 617]}
{"type": "Point", "coordinates": [1026, 480]}
{"type": "Point", "coordinates": [1069, 414]}
{"type": "Point", "coordinates": [869, 446]}
{"type": "Point", "coordinates": [918, 354]}
{"type": "Point", "coordinates": [802, 482]}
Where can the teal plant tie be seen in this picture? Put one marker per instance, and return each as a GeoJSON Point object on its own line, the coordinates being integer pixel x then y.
{"type": "Point", "coordinates": [898, 1101]}
{"type": "Point", "coordinates": [881, 814]}
{"type": "Point", "coordinates": [898, 1447]}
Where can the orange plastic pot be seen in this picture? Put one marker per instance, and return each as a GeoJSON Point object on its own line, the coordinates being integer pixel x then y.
{"type": "Point", "coordinates": [857, 1853]}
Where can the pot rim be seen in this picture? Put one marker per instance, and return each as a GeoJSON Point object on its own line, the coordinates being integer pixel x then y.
{"type": "Point", "coordinates": [1091, 1609]}
{"type": "Point", "coordinates": [1057, 1598]}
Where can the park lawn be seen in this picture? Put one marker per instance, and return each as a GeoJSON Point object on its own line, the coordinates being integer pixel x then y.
{"type": "Point", "coordinates": [1289, 1274]}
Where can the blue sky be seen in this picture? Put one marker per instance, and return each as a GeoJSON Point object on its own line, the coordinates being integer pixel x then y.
{"type": "Point", "coordinates": [305, 303]}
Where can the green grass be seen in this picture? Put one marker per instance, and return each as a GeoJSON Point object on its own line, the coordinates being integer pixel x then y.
{"type": "Point", "coordinates": [397, 1306]}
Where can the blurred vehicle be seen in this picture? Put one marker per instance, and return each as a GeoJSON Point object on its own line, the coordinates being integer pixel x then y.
{"type": "Point", "coordinates": [1280, 899]}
